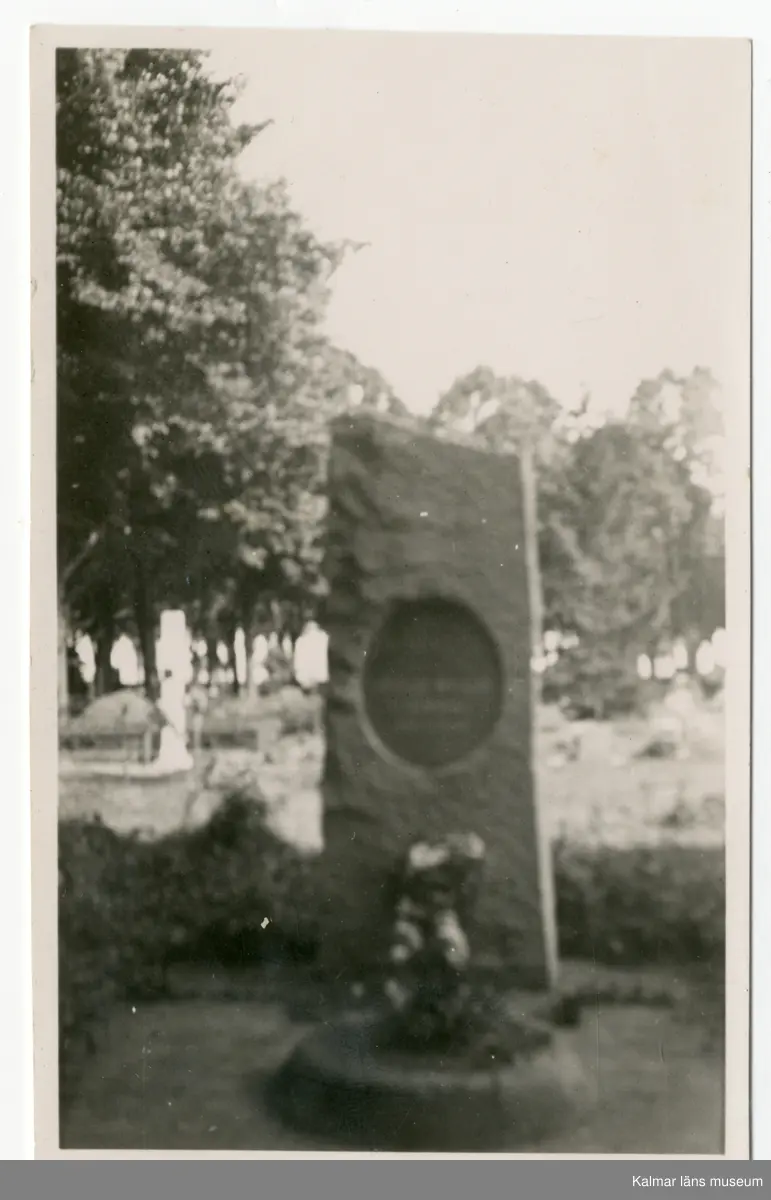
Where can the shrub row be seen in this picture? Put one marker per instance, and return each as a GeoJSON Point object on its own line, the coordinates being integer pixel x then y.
{"type": "Point", "coordinates": [129, 908]}
{"type": "Point", "coordinates": [641, 905]}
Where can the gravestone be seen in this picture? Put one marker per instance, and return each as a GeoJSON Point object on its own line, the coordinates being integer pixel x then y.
{"type": "Point", "coordinates": [175, 661]}
{"type": "Point", "coordinates": [429, 708]}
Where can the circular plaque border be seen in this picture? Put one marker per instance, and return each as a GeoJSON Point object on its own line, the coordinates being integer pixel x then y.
{"type": "Point", "coordinates": [384, 750]}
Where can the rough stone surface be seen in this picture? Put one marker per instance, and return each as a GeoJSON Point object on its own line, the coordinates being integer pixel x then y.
{"type": "Point", "coordinates": [412, 517]}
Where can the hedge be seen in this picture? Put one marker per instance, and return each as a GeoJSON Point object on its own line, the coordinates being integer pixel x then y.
{"type": "Point", "coordinates": [641, 905]}
{"type": "Point", "coordinates": [130, 908]}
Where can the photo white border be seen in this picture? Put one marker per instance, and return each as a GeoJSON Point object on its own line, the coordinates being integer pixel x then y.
{"type": "Point", "coordinates": [654, 18]}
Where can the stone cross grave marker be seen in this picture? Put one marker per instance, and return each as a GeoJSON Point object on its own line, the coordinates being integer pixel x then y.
{"type": "Point", "coordinates": [429, 715]}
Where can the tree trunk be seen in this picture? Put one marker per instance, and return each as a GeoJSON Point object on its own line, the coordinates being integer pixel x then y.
{"type": "Point", "coordinates": [247, 610]}
{"type": "Point", "coordinates": [693, 640]}
{"type": "Point", "coordinates": [230, 643]}
{"type": "Point", "coordinates": [144, 618]}
{"type": "Point", "coordinates": [63, 681]}
{"type": "Point", "coordinates": [212, 661]}
{"type": "Point", "coordinates": [105, 640]}
{"type": "Point", "coordinates": [249, 636]}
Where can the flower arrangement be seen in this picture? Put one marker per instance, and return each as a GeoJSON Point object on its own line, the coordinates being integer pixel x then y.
{"type": "Point", "coordinates": [433, 1002]}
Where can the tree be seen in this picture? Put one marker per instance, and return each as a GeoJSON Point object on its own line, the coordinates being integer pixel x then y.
{"type": "Point", "coordinates": [187, 301]}
{"type": "Point", "coordinates": [141, 140]}
{"type": "Point", "coordinates": [509, 413]}
{"type": "Point", "coordinates": [629, 531]}
{"type": "Point", "coordinates": [500, 410]}
{"type": "Point", "coordinates": [683, 414]}
{"type": "Point", "coordinates": [626, 538]}
{"type": "Point", "coordinates": [343, 382]}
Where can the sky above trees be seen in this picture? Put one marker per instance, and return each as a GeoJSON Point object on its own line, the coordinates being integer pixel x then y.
{"type": "Point", "coordinates": [570, 211]}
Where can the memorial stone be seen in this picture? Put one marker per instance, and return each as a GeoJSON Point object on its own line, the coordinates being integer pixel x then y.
{"type": "Point", "coordinates": [429, 711]}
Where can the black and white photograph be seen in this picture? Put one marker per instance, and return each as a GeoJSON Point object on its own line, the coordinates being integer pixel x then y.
{"type": "Point", "coordinates": [401, 776]}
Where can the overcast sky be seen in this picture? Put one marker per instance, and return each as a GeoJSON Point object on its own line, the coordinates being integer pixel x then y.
{"type": "Point", "coordinates": [568, 210]}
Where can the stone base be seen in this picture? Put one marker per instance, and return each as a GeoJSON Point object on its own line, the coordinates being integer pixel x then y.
{"type": "Point", "coordinates": [339, 1084]}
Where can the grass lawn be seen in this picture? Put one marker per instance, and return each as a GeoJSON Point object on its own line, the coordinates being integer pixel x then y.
{"type": "Point", "coordinates": [188, 1075]}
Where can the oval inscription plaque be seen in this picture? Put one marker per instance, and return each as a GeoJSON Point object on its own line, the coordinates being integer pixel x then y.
{"type": "Point", "coordinates": [433, 682]}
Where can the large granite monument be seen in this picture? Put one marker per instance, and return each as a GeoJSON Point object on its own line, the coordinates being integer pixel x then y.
{"type": "Point", "coordinates": [429, 711]}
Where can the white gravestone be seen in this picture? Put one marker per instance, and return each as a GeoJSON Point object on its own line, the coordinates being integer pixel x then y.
{"type": "Point", "coordinates": [175, 656]}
